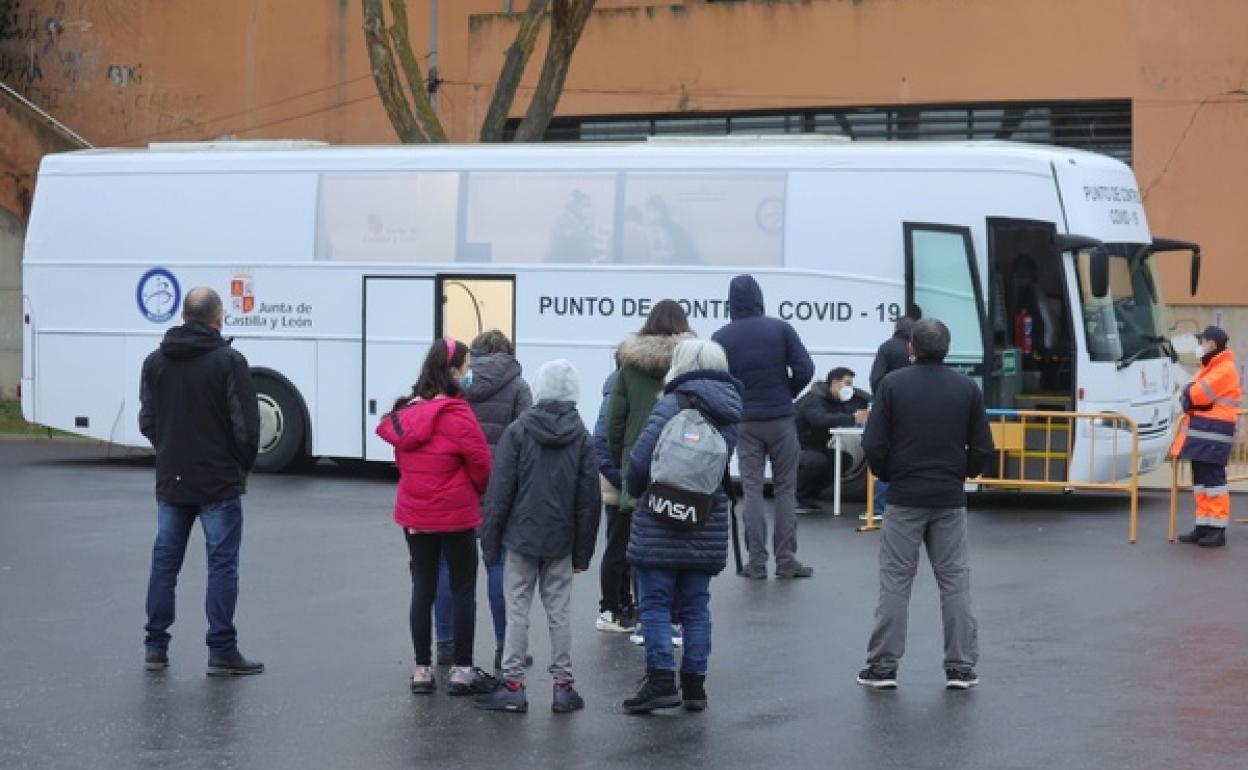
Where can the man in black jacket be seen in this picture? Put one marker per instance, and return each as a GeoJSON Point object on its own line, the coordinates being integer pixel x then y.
{"type": "Point", "coordinates": [893, 354]}
{"type": "Point", "coordinates": [926, 435]}
{"type": "Point", "coordinates": [836, 404]}
{"type": "Point", "coordinates": [198, 408]}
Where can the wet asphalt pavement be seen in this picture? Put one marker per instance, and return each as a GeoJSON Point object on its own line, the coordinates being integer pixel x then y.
{"type": "Point", "coordinates": [1095, 654]}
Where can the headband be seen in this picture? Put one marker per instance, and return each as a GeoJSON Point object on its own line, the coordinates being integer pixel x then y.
{"type": "Point", "coordinates": [450, 349]}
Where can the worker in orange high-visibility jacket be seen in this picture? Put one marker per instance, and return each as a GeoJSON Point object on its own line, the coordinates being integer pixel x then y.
{"type": "Point", "coordinates": [1211, 406]}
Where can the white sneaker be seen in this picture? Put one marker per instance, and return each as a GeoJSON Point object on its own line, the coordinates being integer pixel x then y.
{"type": "Point", "coordinates": [610, 622]}
{"type": "Point", "coordinates": [635, 637]}
{"type": "Point", "coordinates": [678, 636]}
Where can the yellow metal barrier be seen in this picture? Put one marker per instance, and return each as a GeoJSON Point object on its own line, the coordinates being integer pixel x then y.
{"type": "Point", "coordinates": [1036, 449]}
{"type": "Point", "coordinates": [1236, 470]}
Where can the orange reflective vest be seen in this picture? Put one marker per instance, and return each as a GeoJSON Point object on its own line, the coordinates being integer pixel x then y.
{"type": "Point", "coordinates": [1211, 403]}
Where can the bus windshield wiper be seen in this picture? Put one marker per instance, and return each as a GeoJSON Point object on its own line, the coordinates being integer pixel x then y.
{"type": "Point", "coordinates": [1153, 342]}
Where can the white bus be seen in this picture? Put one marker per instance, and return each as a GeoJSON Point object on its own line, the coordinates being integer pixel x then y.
{"type": "Point", "coordinates": [338, 265]}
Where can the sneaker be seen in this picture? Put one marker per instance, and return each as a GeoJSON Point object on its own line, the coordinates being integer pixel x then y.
{"type": "Point", "coordinates": [233, 665]}
{"type": "Point", "coordinates": [422, 680]}
{"type": "Point", "coordinates": [566, 699]}
{"type": "Point", "coordinates": [469, 680]}
{"type": "Point", "coordinates": [509, 697]}
{"type": "Point", "coordinates": [678, 636]}
{"type": "Point", "coordinates": [635, 637]}
{"type": "Point", "coordinates": [795, 570]}
{"type": "Point", "coordinates": [877, 678]}
{"type": "Point", "coordinates": [612, 622]}
{"type": "Point", "coordinates": [960, 680]}
{"type": "Point", "coordinates": [752, 572]}
{"type": "Point", "coordinates": [657, 691]}
{"type": "Point", "coordinates": [156, 660]}
{"type": "Point", "coordinates": [446, 652]}
{"type": "Point", "coordinates": [1215, 537]}
{"type": "Point", "coordinates": [809, 506]}
{"type": "Point", "coordinates": [693, 691]}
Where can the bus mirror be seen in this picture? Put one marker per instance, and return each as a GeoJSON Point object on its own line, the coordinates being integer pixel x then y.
{"type": "Point", "coordinates": [1195, 271]}
{"type": "Point", "coordinates": [1098, 273]}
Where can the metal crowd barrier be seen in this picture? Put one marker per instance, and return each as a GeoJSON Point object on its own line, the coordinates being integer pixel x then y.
{"type": "Point", "coordinates": [1036, 449]}
{"type": "Point", "coordinates": [1236, 470]}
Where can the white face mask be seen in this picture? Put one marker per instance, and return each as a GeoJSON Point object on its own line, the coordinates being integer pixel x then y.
{"type": "Point", "coordinates": [846, 392]}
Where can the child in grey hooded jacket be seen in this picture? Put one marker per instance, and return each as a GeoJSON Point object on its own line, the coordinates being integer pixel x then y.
{"type": "Point", "coordinates": [542, 506]}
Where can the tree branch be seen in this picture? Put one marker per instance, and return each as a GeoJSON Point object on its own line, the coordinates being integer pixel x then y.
{"type": "Point", "coordinates": [513, 70]}
{"type": "Point", "coordinates": [563, 39]}
{"type": "Point", "coordinates": [425, 115]}
{"type": "Point", "coordinates": [386, 76]}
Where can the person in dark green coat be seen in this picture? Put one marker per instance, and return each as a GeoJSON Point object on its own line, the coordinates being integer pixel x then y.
{"type": "Point", "coordinates": [644, 359]}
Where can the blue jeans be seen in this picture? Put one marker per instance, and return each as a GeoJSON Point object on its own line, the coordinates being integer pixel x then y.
{"type": "Point", "coordinates": [443, 606]}
{"type": "Point", "coordinates": [222, 523]}
{"type": "Point", "coordinates": [881, 496]}
{"type": "Point", "coordinates": [660, 589]}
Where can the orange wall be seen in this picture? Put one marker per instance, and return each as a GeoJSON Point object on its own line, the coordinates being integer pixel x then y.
{"type": "Point", "coordinates": [130, 71]}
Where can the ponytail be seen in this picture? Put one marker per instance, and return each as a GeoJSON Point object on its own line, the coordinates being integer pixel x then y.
{"type": "Point", "coordinates": [435, 374]}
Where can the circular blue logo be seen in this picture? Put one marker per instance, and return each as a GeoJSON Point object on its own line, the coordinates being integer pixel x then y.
{"type": "Point", "coordinates": [158, 295]}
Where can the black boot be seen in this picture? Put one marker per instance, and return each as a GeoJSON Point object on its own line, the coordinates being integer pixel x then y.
{"type": "Point", "coordinates": [1215, 537]}
{"type": "Point", "coordinates": [657, 691]}
{"type": "Point", "coordinates": [693, 691]}
{"type": "Point", "coordinates": [1198, 532]}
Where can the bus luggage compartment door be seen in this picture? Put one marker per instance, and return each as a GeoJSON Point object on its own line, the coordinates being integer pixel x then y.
{"type": "Point", "coordinates": [398, 327]}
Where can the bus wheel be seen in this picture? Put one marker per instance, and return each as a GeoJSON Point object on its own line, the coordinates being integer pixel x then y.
{"type": "Point", "coordinates": [282, 425]}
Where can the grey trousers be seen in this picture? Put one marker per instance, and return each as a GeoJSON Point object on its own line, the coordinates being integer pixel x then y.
{"type": "Point", "coordinates": [756, 441]}
{"type": "Point", "coordinates": [943, 531]}
{"type": "Point", "coordinates": [553, 579]}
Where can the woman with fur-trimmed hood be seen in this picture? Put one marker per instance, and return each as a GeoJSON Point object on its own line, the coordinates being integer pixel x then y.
{"type": "Point", "coordinates": [644, 359]}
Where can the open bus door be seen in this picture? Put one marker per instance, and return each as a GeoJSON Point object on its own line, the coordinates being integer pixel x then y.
{"type": "Point", "coordinates": [942, 281]}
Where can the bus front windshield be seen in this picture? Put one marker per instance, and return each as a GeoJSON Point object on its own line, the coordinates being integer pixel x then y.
{"type": "Point", "coordinates": [1129, 323]}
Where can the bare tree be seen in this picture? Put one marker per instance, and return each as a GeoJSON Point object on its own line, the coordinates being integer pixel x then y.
{"type": "Point", "coordinates": [412, 113]}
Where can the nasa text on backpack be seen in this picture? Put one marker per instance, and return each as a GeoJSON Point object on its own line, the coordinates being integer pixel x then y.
{"type": "Point", "coordinates": [687, 469]}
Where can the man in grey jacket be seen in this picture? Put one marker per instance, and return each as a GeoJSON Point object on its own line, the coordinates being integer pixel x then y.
{"type": "Point", "coordinates": [542, 506]}
{"type": "Point", "coordinates": [927, 433]}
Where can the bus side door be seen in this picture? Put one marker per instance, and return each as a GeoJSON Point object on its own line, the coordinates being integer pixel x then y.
{"type": "Point", "coordinates": [942, 280]}
{"type": "Point", "coordinates": [398, 327]}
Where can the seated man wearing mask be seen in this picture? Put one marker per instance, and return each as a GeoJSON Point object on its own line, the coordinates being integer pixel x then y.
{"type": "Point", "coordinates": [836, 404]}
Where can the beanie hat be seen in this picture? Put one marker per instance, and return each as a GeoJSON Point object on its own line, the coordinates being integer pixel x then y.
{"type": "Point", "coordinates": [557, 381]}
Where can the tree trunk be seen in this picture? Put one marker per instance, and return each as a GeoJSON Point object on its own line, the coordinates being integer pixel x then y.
{"type": "Point", "coordinates": [513, 70]}
{"type": "Point", "coordinates": [567, 23]}
{"type": "Point", "coordinates": [387, 77]}
{"type": "Point", "coordinates": [425, 115]}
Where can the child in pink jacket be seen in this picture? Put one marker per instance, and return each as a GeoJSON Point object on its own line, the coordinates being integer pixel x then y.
{"type": "Point", "coordinates": [444, 466]}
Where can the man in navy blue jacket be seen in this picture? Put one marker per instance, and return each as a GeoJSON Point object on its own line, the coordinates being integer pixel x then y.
{"type": "Point", "coordinates": [769, 359]}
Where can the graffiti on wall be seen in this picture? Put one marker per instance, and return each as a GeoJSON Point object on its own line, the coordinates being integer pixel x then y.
{"type": "Point", "coordinates": [32, 59]}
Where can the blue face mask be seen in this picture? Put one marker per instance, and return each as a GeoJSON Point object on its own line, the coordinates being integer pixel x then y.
{"type": "Point", "coordinates": [465, 382]}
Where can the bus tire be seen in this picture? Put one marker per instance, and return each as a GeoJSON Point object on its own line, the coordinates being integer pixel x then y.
{"type": "Point", "coordinates": [283, 426]}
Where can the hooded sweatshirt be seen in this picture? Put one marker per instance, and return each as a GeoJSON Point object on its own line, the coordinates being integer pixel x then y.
{"type": "Point", "coordinates": [651, 543]}
{"type": "Point", "coordinates": [198, 408]}
{"type": "Point", "coordinates": [644, 360]}
{"type": "Point", "coordinates": [497, 393]}
{"type": "Point", "coordinates": [543, 499]}
{"type": "Point", "coordinates": [764, 353]}
{"type": "Point", "coordinates": [444, 464]}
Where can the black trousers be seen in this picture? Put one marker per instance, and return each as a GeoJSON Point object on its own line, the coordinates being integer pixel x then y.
{"type": "Point", "coordinates": [615, 575]}
{"type": "Point", "coordinates": [814, 473]}
{"type": "Point", "coordinates": [427, 551]}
